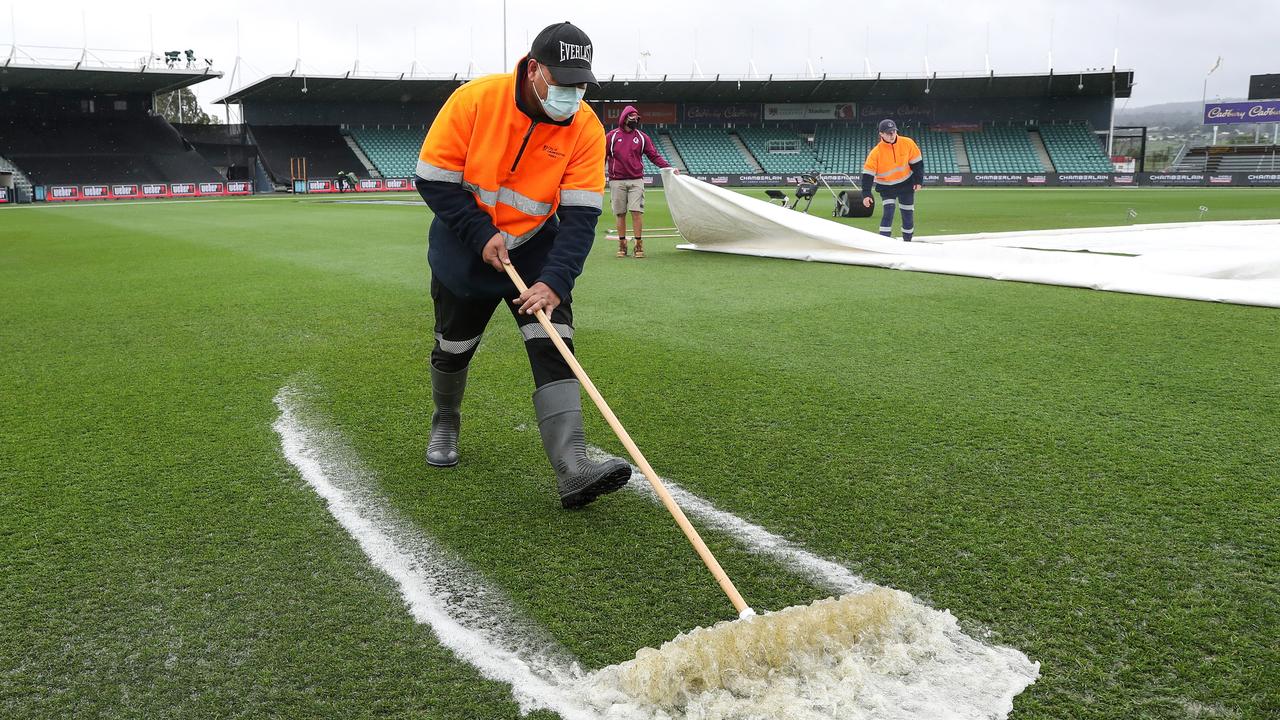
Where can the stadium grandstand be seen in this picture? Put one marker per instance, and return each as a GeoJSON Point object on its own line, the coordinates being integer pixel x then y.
{"type": "Point", "coordinates": [64, 126]}
{"type": "Point", "coordinates": [84, 131]}
{"type": "Point", "coordinates": [1255, 158]}
{"type": "Point", "coordinates": [729, 127]}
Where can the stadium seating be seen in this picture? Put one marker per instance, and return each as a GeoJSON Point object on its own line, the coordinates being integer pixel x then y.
{"type": "Point", "coordinates": [1251, 159]}
{"type": "Point", "coordinates": [75, 150]}
{"type": "Point", "coordinates": [836, 149]}
{"type": "Point", "coordinates": [649, 167]}
{"type": "Point", "coordinates": [1074, 149]}
{"type": "Point", "coordinates": [323, 146]}
{"type": "Point", "coordinates": [1001, 150]}
{"type": "Point", "coordinates": [1229, 158]}
{"type": "Point", "coordinates": [225, 147]}
{"type": "Point", "coordinates": [709, 150]}
{"type": "Point", "coordinates": [1192, 160]}
{"type": "Point", "coordinates": [763, 144]}
{"type": "Point", "coordinates": [20, 180]}
{"type": "Point", "coordinates": [937, 148]}
{"type": "Point", "coordinates": [393, 151]}
{"type": "Point", "coordinates": [844, 149]}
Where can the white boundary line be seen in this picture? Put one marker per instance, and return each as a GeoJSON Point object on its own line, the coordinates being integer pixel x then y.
{"type": "Point", "coordinates": [820, 570]}
{"type": "Point", "coordinates": [472, 620]}
{"type": "Point", "coordinates": [953, 674]}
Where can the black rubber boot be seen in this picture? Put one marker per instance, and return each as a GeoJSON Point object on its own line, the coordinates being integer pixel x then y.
{"type": "Point", "coordinates": [579, 480]}
{"type": "Point", "coordinates": [446, 421]}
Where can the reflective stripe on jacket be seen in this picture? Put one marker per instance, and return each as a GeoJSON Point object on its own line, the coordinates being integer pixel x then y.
{"type": "Point", "coordinates": [519, 170]}
{"type": "Point", "coordinates": [890, 164]}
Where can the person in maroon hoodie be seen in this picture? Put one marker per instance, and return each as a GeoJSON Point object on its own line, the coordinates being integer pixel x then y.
{"type": "Point", "coordinates": [624, 146]}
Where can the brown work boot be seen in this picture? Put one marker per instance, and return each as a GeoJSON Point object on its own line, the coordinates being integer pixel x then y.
{"type": "Point", "coordinates": [622, 247]}
{"type": "Point", "coordinates": [639, 248]}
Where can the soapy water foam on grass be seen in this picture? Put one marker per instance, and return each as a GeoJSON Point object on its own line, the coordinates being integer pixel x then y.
{"type": "Point", "coordinates": [872, 653]}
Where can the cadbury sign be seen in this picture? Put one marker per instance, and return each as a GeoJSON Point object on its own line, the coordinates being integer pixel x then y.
{"type": "Point", "coordinates": [1260, 111]}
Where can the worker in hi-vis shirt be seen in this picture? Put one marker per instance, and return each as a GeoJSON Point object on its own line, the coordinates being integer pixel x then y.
{"type": "Point", "coordinates": [513, 168]}
{"type": "Point", "coordinates": [896, 168]}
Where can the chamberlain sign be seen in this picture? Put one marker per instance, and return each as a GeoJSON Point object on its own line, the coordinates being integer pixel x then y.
{"type": "Point", "coordinates": [1258, 111]}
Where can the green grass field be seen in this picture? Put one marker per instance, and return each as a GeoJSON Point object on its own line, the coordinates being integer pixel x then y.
{"type": "Point", "coordinates": [1092, 478]}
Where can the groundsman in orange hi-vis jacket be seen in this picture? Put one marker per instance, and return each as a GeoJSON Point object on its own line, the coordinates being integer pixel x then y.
{"type": "Point", "coordinates": [896, 168]}
{"type": "Point", "coordinates": [513, 169]}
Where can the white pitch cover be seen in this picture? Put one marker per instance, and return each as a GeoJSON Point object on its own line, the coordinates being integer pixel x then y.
{"type": "Point", "coordinates": [1231, 262]}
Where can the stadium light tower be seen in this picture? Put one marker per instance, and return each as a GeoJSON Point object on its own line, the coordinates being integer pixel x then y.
{"type": "Point", "coordinates": [697, 69]}
{"type": "Point", "coordinates": [1050, 44]}
{"type": "Point", "coordinates": [927, 72]}
{"type": "Point", "coordinates": [1204, 95]}
{"type": "Point", "coordinates": [297, 64]}
{"type": "Point", "coordinates": [986, 55]}
{"type": "Point", "coordinates": [866, 50]}
{"type": "Point", "coordinates": [13, 36]}
{"type": "Point", "coordinates": [413, 67]}
{"type": "Point", "coordinates": [808, 58]}
{"type": "Point", "coordinates": [472, 69]}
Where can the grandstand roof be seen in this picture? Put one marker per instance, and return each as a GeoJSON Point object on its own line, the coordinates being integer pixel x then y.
{"type": "Point", "coordinates": [345, 88]}
{"type": "Point", "coordinates": [348, 88]}
{"type": "Point", "coordinates": [53, 78]}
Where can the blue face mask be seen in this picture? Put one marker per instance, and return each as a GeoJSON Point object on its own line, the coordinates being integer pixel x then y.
{"type": "Point", "coordinates": [561, 101]}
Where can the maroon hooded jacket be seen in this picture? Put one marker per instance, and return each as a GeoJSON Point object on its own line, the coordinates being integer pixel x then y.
{"type": "Point", "coordinates": [624, 147]}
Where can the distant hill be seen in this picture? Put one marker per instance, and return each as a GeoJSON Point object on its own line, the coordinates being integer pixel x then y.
{"type": "Point", "coordinates": [1175, 114]}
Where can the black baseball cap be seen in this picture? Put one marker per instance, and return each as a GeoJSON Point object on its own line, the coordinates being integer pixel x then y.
{"type": "Point", "coordinates": [888, 125]}
{"type": "Point", "coordinates": [566, 51]}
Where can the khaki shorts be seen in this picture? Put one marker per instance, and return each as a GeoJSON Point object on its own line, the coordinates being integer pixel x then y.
{"type": "Point", "coordinates": [626, 195]}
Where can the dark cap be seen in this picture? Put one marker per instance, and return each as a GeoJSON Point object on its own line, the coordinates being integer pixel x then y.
{"type": "Point", "coordinates": [888, 125]}
{"type": "Point", "coordinates": [566, 51]}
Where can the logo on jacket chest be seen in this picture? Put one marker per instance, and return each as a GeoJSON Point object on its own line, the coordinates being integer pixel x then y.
{"type": "Point", "coordinates": [552, 152]}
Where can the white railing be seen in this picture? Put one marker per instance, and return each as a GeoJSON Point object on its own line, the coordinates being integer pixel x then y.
{"type": "Point", "coordinates": [94, 58]}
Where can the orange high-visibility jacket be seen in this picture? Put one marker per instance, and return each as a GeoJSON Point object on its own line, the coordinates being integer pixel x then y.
{"type": "Point", "coordinates": [520, 170]}
{"type": "Point", "coordinates": [891, 164]}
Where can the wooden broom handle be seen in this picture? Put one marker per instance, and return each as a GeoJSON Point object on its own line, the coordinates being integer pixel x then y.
{"type": "Point", "coordinates": [696, 540]}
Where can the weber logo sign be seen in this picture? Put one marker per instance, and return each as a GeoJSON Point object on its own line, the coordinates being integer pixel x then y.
{"type": "Point", "coordinates": [64, 192]}
{"type": "Point", "coordinates": [210, 188]}
{"type": "Point", "coordinates": [94, 191]}
{"type": "Point", "coordinates": [182, 189]}
{"type": "Point", "coordinates": [154, 190]}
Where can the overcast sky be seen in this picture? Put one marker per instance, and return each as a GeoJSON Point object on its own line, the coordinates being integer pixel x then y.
{"type": "Point", "coordinates": [1170, 44]}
